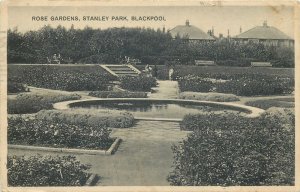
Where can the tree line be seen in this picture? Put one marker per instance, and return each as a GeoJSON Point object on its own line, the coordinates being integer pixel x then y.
{"type": "Point", "coordinates": [150, 46]}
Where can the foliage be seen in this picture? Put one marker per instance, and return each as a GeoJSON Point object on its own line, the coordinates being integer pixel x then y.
{"type": "Point", "coordinates": [118, 94]}
{"type": "Point", "coordinates": [60, 77]}
{"type": "Point", "coordinates": [195, 84]}
{"type": "Point", "coordinates": [13, 87]}
{"type": "Point", "coordinates": [257, 85]}
{"type": "Point", "coordinates": [31, 131]}
{"type": "Point", "coordinates": [235, 150]}
{"type": "Point", "coordinates": [219, 97]}
{"type": "Point", "coordinates": [150, 46]}
{"type": "Point", "coordinates": [34, 102]}
{"type": "Point", "coordinates": [138, 83]}
{"type": "Point", "coordinates": [244, 85]}
{"type": "Point", "coordinates": [89, 117]}
{"type": "Point", "coordinates": [229, 73]}
{"type": "Point", "coordinates": [46, 171]}
{"type": "Point", "coordinates": [268, 103]}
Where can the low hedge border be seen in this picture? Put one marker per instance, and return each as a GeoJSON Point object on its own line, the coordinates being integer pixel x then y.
{"type": "Point", "coordinates": [110, 151]}
{"type": "Point", "coordinates": [93, 178]}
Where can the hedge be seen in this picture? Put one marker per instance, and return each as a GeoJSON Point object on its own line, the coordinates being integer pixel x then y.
{"type": "Point", "coordinates": [34, 102]}
{"type": "Point", "coordinates": [138, 83]}
{"type": "Point", "coordinates": [89, 117]}
{"type": "Point", "coordinates": [118, 94]}
{"type": "Point", "coordinates": [219, 97]}
{"type": "Point", "coordinates": [13, 87]}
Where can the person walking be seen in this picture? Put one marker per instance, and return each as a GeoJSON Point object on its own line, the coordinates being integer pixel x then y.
{"type": "Point", "coordinates": [171, 73]}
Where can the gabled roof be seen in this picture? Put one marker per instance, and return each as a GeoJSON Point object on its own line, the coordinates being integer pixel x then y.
{"type": "Point", "coordinates": [263, 32]}
{"type": "Point", "coordinates": [190, 32]}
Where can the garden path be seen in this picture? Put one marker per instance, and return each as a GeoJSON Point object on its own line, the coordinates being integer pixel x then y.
{"type": "Point", "coordinates": [143, 158]}
{"type": "Point", "coordinates": [166, 89]}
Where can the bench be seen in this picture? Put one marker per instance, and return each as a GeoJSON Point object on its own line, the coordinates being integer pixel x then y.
{"type": "Point", "coordinates": [261, 64]}
{"type": "Point", "coordinates": [204, 63]}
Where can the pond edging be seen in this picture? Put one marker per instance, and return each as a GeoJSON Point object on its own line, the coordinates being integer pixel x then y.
{"type": "Point", "coordinates": [252, 111]}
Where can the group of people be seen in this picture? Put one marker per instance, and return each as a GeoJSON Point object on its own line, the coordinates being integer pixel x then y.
{"type": "Point", "coordinates": [152, 72]}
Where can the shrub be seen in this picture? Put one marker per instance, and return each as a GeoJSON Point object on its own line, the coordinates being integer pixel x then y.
{"type": "Point", "coordinates": [13, 87]}
{"type": "Point", "coordinates": [89, 117]}
{"type": "Point", "coordinates": [138, 83]}
{"type": "Point", "coordinates": [34, 102]}
{"type": "Point", "coordinates": [118, 94]}
{"type": "Point", "coordinates": [237, 151]}
{"type": "Point", "coordinates": [220, 97]}
{"type": "Point", "coordinates": [46, 171]}
{"type": "Point", "coordinates": [31, 131]}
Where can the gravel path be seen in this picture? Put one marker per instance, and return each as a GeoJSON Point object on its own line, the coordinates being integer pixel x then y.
{"type": "Point", "coordinates": [165, 90]}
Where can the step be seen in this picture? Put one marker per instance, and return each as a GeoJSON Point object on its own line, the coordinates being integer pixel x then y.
{"type": "Point", "coordinates": [125, 72]}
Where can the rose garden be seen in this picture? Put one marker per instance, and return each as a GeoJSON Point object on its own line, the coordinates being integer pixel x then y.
{"type": "Point", "coordinates": [212, 147]}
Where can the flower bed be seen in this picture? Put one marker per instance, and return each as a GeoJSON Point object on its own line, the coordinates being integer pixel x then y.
{"type": "Point", "coordinates": [46, 171]}
{"type": "Point", "coordinates": [219, 97]}
{"type": "Point", "coordinates": [138, 83]}
{"type": "Point", "coordinates": [69, 78]}
{"type": "Point", "coordinates": [34, 102]}
{"type": "Point", "coordinates": [268, 103]}
{"type": "Point", "coordinates": [89, 117]}
{"type": "Point", "coordinates": [118, 94]}
{"type": "Point", "coordinates": [36, 132]}
{"type": "Point", "coordinates": [247, 85]}
{"type": "Point", "coordinates": [232, 150]}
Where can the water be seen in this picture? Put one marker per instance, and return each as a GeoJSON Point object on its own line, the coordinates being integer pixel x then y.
{"type": "Point", "coordinates": [154, 109]}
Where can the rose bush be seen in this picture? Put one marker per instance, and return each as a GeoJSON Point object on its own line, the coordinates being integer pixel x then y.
{"type": "Point", "coordinates": [233, 150]}
{"type": "Point", "coordinates": [46, 171]}
{"type": "Point", "coordinates": [31, 131]}
{"type": "Point", "coordinates": [138, 83]}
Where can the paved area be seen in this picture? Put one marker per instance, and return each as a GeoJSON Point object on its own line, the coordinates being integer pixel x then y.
{"type": "Point", "coordinates": [143, 158]}
{"type": "Point", "coordinates": [166, 89]}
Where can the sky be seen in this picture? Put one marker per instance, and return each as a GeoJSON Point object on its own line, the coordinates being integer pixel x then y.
{"type": "Point", "coordinates": [220, 18]}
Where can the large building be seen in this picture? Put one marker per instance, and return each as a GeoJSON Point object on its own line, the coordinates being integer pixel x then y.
{"type": "Point", "coordinates": [191, 33]}
{"type": "Point", "coordinates": [267, 35]}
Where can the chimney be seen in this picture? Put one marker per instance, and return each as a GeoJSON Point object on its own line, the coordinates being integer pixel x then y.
{"type": "Point", "coordinates": [265, 24]}
{"type": "Point", "coordinates": [212, 31]}
{"type": "Point", "coordinates": [164, 29]}
{"type": "Point", "coordinates": [187, 23]}
{"type": "Point", "coordinates": [228, 34]}
{"type": "Point", "coordinates": [220, 35]}
{"type": "Point", "coordinates": [241, 29]}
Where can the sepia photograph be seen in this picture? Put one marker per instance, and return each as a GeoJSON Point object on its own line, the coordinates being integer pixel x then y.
{"type": "Point", "coordinates": [150, 95]}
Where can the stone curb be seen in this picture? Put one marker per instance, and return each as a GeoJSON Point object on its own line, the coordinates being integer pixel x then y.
{"type": "Point", "coordinates": [110, 151]}
{"type": "Point", "coordinates": [252, 112]}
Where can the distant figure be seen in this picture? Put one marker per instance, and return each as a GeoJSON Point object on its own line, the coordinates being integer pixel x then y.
{"type": "Point", "coordinates": [148, 71]}
{"type": "Point", "coordinates": [171, 73]}
{"type": "Point", "coordinates": [155, 71]}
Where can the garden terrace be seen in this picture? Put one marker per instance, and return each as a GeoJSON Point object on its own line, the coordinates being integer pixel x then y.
{"type": "Point", "coordinates": [67, 77]}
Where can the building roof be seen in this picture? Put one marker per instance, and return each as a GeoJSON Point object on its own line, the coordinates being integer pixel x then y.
{"type": "Point", "coordinates": [190, 32]}
{"type": "Point", "coordinates": [263, 32]}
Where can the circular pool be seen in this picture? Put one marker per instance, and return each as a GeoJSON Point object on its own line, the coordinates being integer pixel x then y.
{"type": "Point", "coordinates": [160, 108]}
